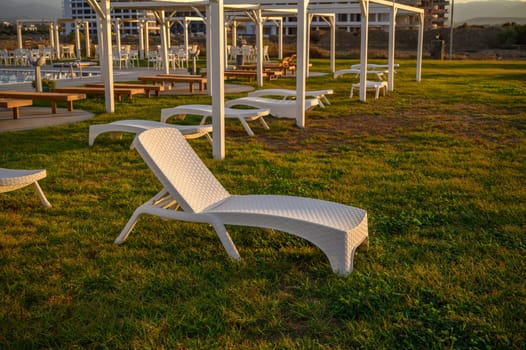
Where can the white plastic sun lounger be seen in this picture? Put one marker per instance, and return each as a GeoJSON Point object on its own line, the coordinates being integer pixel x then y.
{"type": "Point", "coordinates": [356, 71]}
{"type": "Point", "coordinates": [205, 111]}
{"type": "Point", "coordinates": [286, 93]}
{"type": "Point", "coordinates": [278, 108]}
{"type": "Point", "coordinates": [137, 125]}
{"type": "Point", "coordinates": [13, 179]}
{"type": "Point", "coordinates": [192, 193]}
{"type": "Point", "coordinates": [376, 86]}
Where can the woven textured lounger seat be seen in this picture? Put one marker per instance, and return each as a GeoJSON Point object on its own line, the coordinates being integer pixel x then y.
{"type": "Point", "coordinates": [286, 93]}
{"type": "Point", "coordinates": [137, 126]}
{"type": "Point", "coordinates": [192, 193]}
{"type": "Point", "coordinates": [13, 179]}
{"type": "Point", "coordinates": [205, 111]}
{"type": "Point", "coordinates": [278, 108]}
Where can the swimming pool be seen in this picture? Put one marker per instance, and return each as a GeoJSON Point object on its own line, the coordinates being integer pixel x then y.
{"type": "Point", "coordinates": [27, 75]}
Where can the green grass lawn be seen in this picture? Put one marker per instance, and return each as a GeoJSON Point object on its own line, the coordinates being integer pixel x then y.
{"type": "Point", "coordinates": [439, 165]}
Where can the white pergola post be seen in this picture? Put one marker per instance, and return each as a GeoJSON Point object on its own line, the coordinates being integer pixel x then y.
{"type": "Point", "coordinates": [57, 41]}
{"type": "Point", "coordinates": [226, 44]}
{"type": "Point", "coordinates": [164, 41]}
{"type": "Point", "coordinates": [391, 50]}
{"type": "Point", "coordinates": [108, 58]}
{"type": "Point", "coordinates": [420, 48]}
{"type": "Point", "coordinates": [87, 42]}
{"type": "Point", "coordinates": [103, 11]}
{"type": "Point", "coordinates": [141, 38]}
{"type": "Point", "coordinates": [77, 40]}
{"type": "Point", "coordinates": [301, 70]}
{"type": "Point", "coordinates": [215, 27]}
{"type": "Point", "coordinates": [146, 39]}
{"type": "Point", "coordinates": [307, 58]}
{"type": "Point", "coordinates": [280, 39]}
{"type": "Point", "coordinates": [168, 26]}
{"type": "Point", "coordinates": [52, 38]}
{"type": "Point", "coordinates": [19, 35]}
{"type": "Point", "coordinates": [118, 35]}
{"type": "Point", "coordinates": [332, 24]}
{"type": "Point", "coordinates": [364, 5]}
{"type": "Point", "coordinates": [451, 28]}
{"type": "Point", "coordinates": [234, 33]}
{"type": "Point", "coordinates": [210, 47]}
{"type": "Point", "coordinates": [259, 46]}
{"type": "Point", "coordinates": [186, 23]}
{"type": "Point", "coordinates": [100, 40]}
{"type": "Point", "coordinates": [330, 20]}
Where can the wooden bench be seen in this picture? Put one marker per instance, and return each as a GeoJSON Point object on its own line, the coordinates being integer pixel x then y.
{"type": "Point", "coordinates": [118, 92]}
{"type": "Point", "coordinates": [273, 72]}
{"type": "Point", "coordinates": [148, 88]}
{"type": "Point", "coordinates": [162, 79]}
{"type": "Point", "coordinates": [15, 104]}
{"type": "Point", "coordinates": [53, 97]}
{"type": "Point", "coordinates": [251, 75]}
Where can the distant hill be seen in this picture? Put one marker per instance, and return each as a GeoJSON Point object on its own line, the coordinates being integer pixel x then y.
{"type": "Point", "coordinates": [481, 21]}
{"type": "Point", "coordinates": [30, 9]}
{"type": "Point", "coordinates": [492, 12]}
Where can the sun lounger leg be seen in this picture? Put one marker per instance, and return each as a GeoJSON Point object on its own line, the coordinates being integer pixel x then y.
{"type": "Point", "coordinates": [226, 240]}
{"type": "Point", "coordinates": [129, 226]}
{"type": "Point", "coordinates": [325, 99]}
{"type": "Point", "coordinates": [264, 123]}
{"type": "Point", "coordinates": [41, 195]}
{"type": "Point", "coordinates": [247, 128]}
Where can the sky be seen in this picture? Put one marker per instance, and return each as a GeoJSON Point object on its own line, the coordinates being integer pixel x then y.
{"type": "Point", "coordinates": [49, 9]}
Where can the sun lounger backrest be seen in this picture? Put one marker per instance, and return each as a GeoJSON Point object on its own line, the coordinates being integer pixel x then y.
{"type": "Point", "coordinates": [183, 173]}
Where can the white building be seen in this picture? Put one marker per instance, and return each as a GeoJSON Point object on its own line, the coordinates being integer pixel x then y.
{"type": "Point", "coordinates": [347, 16]}
{"type": "Point", "coordinates": [79, 9]}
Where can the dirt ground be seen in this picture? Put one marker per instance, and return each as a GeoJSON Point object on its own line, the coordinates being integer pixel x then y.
{"type": "Point", "coordinates": [468, 43]}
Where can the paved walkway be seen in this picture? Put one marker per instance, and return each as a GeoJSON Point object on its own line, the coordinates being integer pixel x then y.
{"type": "Point", "coordinates": [38, 117]}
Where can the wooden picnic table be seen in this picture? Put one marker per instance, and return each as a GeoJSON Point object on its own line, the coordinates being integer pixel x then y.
{"type": "Point", "coordinates": [171, 79]}
{"type": "Point", "coordinates": [53, 97]}
{"type": "Point", "coordinates": [118, 92]}
{"type": "Point", "coordinates": [148, 88]}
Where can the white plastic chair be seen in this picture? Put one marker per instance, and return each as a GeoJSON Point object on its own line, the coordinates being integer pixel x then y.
{"type": "Point", "coordinates": [5, 57]}
{"type": "Point", "coordinates": [154, 59]}
{"type": "Point", "coordinates": [13, 179]}
{"type": "Point", "coordinates": [266, 56]}
{"type": "Point", "coordinates": [192, 193]}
